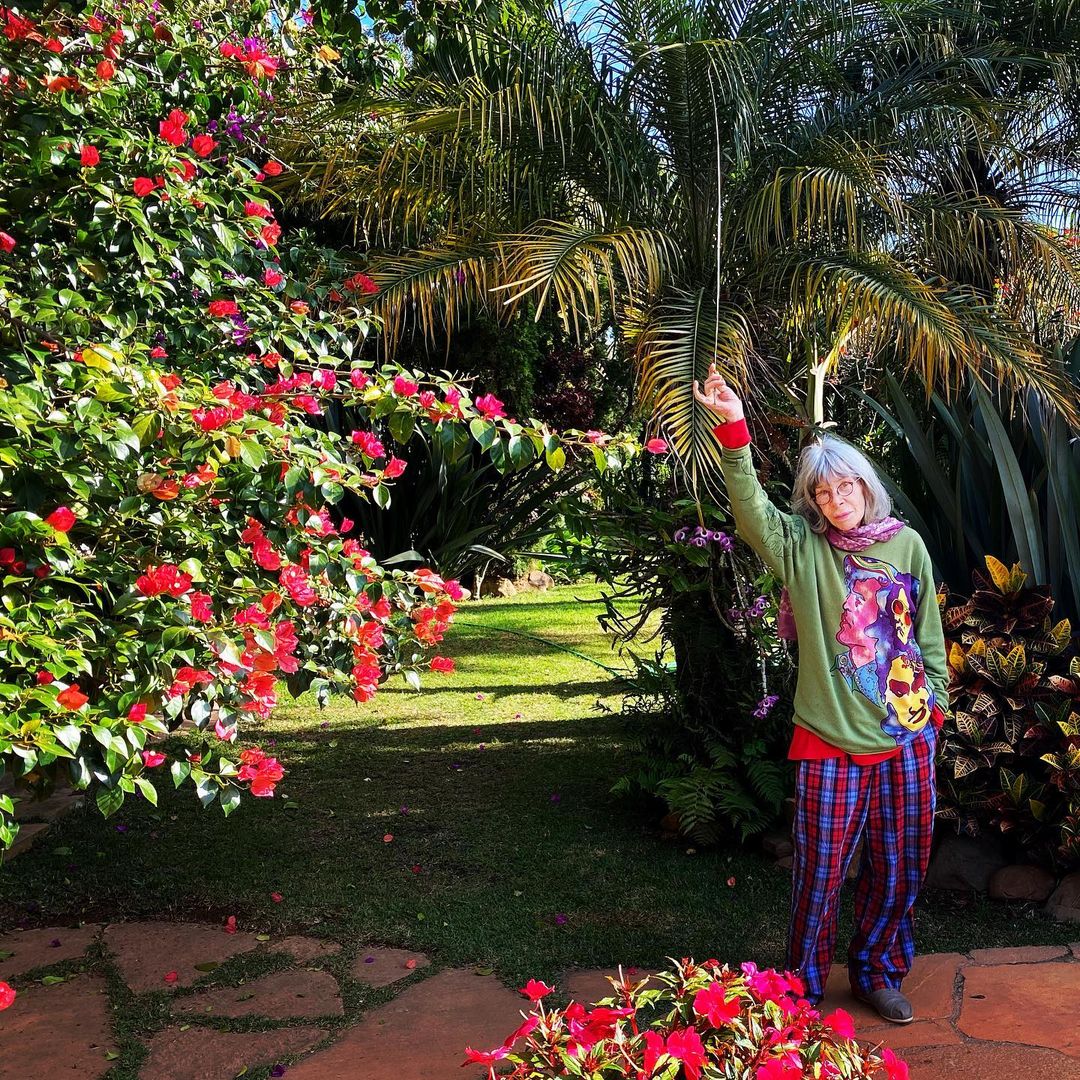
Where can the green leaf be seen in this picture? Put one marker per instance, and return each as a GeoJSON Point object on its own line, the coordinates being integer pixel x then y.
{"type": "Point", "coordinates": [109, 800]}
{"type": "Point", "coordinates": [230, 799]}
{"type": "Point", "coordinates": [148, 790]}
{"type": "Point", "coordinates": [252, 454]}
{"type": "Point", "coordinates": [180, 771]}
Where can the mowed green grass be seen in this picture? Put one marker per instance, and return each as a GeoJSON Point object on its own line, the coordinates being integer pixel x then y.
{"type": "Point", "coordinates": [507, 849]}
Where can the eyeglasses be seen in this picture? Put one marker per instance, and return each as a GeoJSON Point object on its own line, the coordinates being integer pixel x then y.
{"type": "Point", "coordinates": [843, 490]}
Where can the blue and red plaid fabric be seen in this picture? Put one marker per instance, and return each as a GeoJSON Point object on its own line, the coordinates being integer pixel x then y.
{"type": "Point", "coordinates": [891, 805]}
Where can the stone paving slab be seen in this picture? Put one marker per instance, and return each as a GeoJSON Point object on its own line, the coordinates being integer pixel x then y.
{"type": "Point", "coordinates": [305, 949]}
{"type": "Point", "coordinates": [982, 1061]}
{"type": "Point", "coordinates": [40, 948]}
{"type": "Point", "coordinates": [422, 1033]}
{"type": "Point", "coordinates": [1031, 954]}
{"type": "Point", "coordinates": [28, 836]}
{"type": "Point", "coordinates": [284, 995]}
{"type": "Point", "coordinates": [591, 984]}
{"type": "Point", "coordinates": [376, 966]}
{"type": "Point", "coordinates": [204, 1054]}
{"type": "Point", "coordinates": [60, 1030]}
{"type": "Point", "coordinates": [1034, 1004]}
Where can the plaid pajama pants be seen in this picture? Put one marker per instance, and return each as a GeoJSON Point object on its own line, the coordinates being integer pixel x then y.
{"type": "Point", "coordinates": [891, 805]}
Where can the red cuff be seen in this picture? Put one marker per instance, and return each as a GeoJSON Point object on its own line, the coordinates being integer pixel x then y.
{"type": "Point", "coordinates": [733, 435]}
{"type": "Point", "coordinates": [937, 717]}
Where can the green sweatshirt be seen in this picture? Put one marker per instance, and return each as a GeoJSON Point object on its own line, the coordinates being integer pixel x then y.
{"type": "Point", "coordinates": [871, 648]}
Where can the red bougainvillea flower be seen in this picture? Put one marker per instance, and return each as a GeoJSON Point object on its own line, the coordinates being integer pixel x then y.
{"type": "Point", "coordinates": [72, 698]}
{"type": "Point", "coordinates": [152, 759]}
{"type": "Point", "coordinates": [61, 519]}
{"type": "Point", "coordinates": [442, 664]}
{"type": "Point", "coordinates": [172, 128]}
{"type": "Point", "coordinates": [360, 283]}
{"type": "Point", "coordinates": [230, 925]}
{"type": "Point", "coordinates": [656, 446]}
{"type": "Point", "coordinates": [7, 996]}
{"type": "Point", "coordinates": [18, 27]}
{"type": "Point", "coordinates": [485, 1057]}
{"type": "Point", "coordinates": [535, 989]}
{"type": "Point", "coordinates": [490, 407]}
{"type": "Point", "coordinates": [137, 713]}
{"type": "Point", "coordinates": [271, 278]}
{"type": "Point", "coordinates": [142, 186]}
{"type": "Point", "coordinates": [43, 677]}
{"type": "Point", "coordinates": [894, 1067]}
{"type": "Point", "coordinates": [166, 578]}
{"type": "Point", "coordinates": [272, 168]}
{"type": "Point", "coordinates": [405, 387]}
{"type": "Point", "coordinates": [106, 70]}
{"type": "Point", "coordinates": [58, 84]}
{"type": "Point", "coordinates": [89, 157]}
{"type": "Point", "coordinates": [394, 468]}
{"type": "Point", "coordinates": [94, 25]}
{"type": "Point", "coordinates": [7, 242]}
{"type": "Point", "coordinates": [369, 443]}
{"type": "Point", "coordinates": [359, 378]}
{"type": "Point", "coordinates": [299, 307]}
{"type": "Point", "coordinates": [276, 897]}
{"type": "Point", "coordinates": [270, 233]}
{"type": "Point", "coordinates": [158, 353]}
{"type": "Point", "coordinates": [221, 309]}
{"type": "Point", "coordinates": [202, 607]}
{"type": "Point", "coordinates": [203, 145]}
{"type": "Point", "coordinates": [170, 977]}
{"type": "Point", "coordinates": [257, 209]}
{"type": "Point", "coordinates": [713, 1005]}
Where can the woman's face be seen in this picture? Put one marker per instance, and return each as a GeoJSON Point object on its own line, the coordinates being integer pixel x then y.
{"type": "Point", "coordinates": [842, 499]}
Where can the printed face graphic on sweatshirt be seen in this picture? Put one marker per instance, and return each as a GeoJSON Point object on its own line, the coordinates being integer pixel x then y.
{"type": "Point", "coordinates": [883, 661]}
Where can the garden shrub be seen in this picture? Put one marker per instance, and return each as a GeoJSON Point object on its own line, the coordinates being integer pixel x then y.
{"type": "Point", "coordinates": [695, 1021]}
{"type": "Point", "coordinates": [708, 715]}
{"type": "Point", "coordinates": [172, 544]}
{"type": "Point", "coordinates": [1010, 753]}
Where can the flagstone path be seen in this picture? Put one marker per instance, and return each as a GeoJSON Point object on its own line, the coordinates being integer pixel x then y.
{"type": "Point", "coordinates": [1005, 1013]}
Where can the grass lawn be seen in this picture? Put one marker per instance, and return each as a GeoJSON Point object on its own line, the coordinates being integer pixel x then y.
{"type": "Point", "coordinates": [508, 851]}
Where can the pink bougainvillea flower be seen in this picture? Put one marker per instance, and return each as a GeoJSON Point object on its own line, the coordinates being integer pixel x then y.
{"type": "Point", "coordinates": [159, 580]}
{"type": "Point", "coordinates": [170, 977]}
{"type": "Point", "coordinates": [89, 157]}
{"type": "Point", "coordinates": [535, 989]}
{"type": "Point", "coordinates": [203, 145]}
{"type": "Point", "coordinates": [152, 759]}
{"type": "Point", "coordinates": [388, 838]}
{"type": "Point", "coordinates": [490, 407]}
{"type": "Point", "coordinates": [731, 882]}
{"type": "Point", "coordinates": [61, 519]}
{"type": "Point", "coordinates": [410, 964]}
{"type": "Point", "coordinates": [257, 209]}
{"type": "Point", "coordinates": [369, 443]}
{"type": "Point", "coordinates": [7, 996]}
{"type": "Point", "coordinates": [442, 664]}
{"type": "Point", "coordinates": [394, 468]}
{"type": "Point", "coordinates": [230, 925]}
{"type": "Point", "coordinates": [485, 1057]}
{"type": "Point", "coordinates": [271, 278]}
{"type": "Point", "coordinates": [137, 713]}
{"type": "Point", "coordinates": [158, 353]}
{"type": "Point", "coordinates": [714, 1005]}
{"type": "Point", "coordinates": [142, 186]}
{"type": "Point", "coordinates": [359, 378]}
{"type": "Point", "coordinates": [270, 233]}
{"type": "Point", "coordinates": [276, 897]}
{"type": "Point", "coordinates": [657, 446]}
{"type": "Point", "coordinates": [841, 1024]}
{"type": "Point", "coordinates": [72, 698]}
{"type": "Point", "coordinates": [405, 387]}
{"type": "Point", "coordinates": [7, 242]}
{"type": "Point", "coordinates": [221, 309]}
{"type": "Point", "coordinates": [895, 1068]}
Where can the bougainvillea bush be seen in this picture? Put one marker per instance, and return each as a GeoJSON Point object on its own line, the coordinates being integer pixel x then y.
{"type": "Point", "coordinates": [170, 364]}
{"type": "Point", "coordinates": [694, 1022]}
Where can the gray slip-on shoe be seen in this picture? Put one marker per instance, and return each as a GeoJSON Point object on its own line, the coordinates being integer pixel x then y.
{"type": "Point", "coordinates": [890, 1004]}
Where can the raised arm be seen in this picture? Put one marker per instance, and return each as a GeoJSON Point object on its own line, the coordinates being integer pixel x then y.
{"type": "Point", "coordinates": [774, 535]}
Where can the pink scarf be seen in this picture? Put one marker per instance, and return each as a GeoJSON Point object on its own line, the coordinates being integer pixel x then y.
{"type": "Point", "coordinates": [857, 539]}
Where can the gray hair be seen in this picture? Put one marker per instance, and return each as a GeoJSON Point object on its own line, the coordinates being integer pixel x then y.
{"type": "Point", "coordinates": [829, 458]}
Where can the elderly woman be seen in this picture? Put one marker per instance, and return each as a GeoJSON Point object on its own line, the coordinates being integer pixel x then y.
{"type": "Point", "coordinates": [871, 690]}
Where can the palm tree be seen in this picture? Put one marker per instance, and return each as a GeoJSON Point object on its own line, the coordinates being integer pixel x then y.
{"type": "Point", "coordinates": [765, 184]}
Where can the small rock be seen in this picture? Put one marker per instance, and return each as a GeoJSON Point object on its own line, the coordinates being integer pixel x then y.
{"type": "Point", "coordinates": [540, 581]}
{"type": "Point", "coordinates": [305, 949]}
{"type": "Point", "coordinates": [1021, 883]}
{"type": "Point", "coordinates": [964, 863]}
{"type": "Point", "coordinates": [1064, 904]}
{"type": "Point", "coordinates": [777, 845]}
{"type": "Point", "coordinates": [493, 586]}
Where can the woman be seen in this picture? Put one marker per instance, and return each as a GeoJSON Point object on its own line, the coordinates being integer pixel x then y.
{"type": "Point", "coordinates": [870, 697]}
